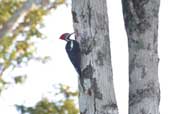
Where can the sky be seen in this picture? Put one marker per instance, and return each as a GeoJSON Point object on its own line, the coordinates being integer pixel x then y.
{"type": "Point", "coordinates": [41, 77]}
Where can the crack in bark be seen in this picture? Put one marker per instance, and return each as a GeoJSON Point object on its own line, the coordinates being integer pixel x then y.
{"type": "Point", "coordinates": [135, 16]}
{"type": "Point", "coordinates": [131, 67]}
{"type": "Point", "coordinates": [84, 112]}
{"type": "Point", "coordinates": [155, 40]}
{"type": "Point", "coordinates": [89, 9]}
{"type": "Point", "coordinates": [139, 8]}
{"type": "Point", "coordinates": [82, 15]}
{"type": "Point", "coordinates": [97, 93]}
{"type": "Point", "coordinates": [86, 73]}
{"type": "Point", "coordinates": [143, 74]}
{"type": "Point", "coordinates": [100, 58]}
{"type": "Point", "coordinates": [110, 105]}
{"type": "Point", "coordinates": [134, 65]}
{"type": "Point", "coordinates": [89, 92]}
{"type": "Point", "coordinates": [149, 46]}
{"type": "Point", "coordinates": [140, 94]}
{"type": "Point", "coordinates": [87, 45]}
{"type": "Point", "coordinates": [142, 111]}
{"type": "Point", "coordinates": [74, 17]}
{"type": "Point", "coordinates": [136, 44]}
{"type": "Point", "coordinates": [143, 70]}
{"type": "Point", "coordinates": [143, 19]}
{"type": "Point", "coordinates": [95, 110]}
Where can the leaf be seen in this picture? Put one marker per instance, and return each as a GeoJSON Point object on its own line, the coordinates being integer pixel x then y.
{"type": "Point", "coordinates": [45, 106]}
{"type": "Point", "coordinates": [20, 79]}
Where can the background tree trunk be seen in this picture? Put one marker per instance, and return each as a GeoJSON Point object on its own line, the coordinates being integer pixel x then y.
{"type": "Point", "coordinates": [96, 82]}
{"type": "Point", "coordinates": [141, 23]}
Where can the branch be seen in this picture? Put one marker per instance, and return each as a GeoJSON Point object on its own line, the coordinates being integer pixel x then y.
{"type": "Point", "coordinates": [55, 4]}
{"type": "Point", "coordinates": [7, 27]}
{"type": "Point", "coordinates": [12, 21]}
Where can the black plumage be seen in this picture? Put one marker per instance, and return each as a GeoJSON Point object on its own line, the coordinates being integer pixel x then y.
{"type": "Point", "coordinates": [73, 50]}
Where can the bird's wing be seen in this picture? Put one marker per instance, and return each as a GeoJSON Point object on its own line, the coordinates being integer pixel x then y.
{"type": "Point", "coordinates": [73, 51]}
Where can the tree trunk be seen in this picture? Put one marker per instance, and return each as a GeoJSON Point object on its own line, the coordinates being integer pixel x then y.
{"type": "Point", "coordinates": [96, 82]}
{"type": "Point", "coordinates": [141, 23]}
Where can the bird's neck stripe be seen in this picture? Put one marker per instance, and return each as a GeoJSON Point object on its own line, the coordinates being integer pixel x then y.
{"type": "Point", "coordinates": [67, 37]}
{"type": "Point", "coordinates": [71, 45]}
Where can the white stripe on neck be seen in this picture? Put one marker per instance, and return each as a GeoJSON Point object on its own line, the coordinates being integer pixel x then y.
{"type": "Point", "coordinates": [67, 37]}
{"type": "Point", "coordinates": [71, 45]}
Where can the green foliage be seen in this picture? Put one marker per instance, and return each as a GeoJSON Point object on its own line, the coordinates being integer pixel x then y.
{"type": "Point", "coordinates": [20, 79]}
{"type": "Point", "coordinates": [45, 106]}
{"type": "Point", "coordinates": [7, 8]}
{"type": "Point", "coordinates": [17, 47]}
{"type": "Point", "coordinates": [2, 84]}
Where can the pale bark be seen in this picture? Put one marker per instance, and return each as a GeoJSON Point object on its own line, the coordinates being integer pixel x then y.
{"type": "Point", "coordinates": [141, 23]}
{"type": "Point", "coordinates": [96, 82]}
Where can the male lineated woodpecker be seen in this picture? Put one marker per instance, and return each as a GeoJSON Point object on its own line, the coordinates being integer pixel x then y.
{"type": "Point", "coordinates": [73, 50]}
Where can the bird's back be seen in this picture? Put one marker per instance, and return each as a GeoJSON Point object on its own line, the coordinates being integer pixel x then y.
{"type": "Point", "coordinates": [73, 51]}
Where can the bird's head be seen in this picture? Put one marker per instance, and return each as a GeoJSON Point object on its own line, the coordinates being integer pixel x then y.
{"type": "Point", "coordinates": [66, 36]}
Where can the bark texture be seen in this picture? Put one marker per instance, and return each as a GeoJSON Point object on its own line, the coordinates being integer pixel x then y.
{"type": "Point", "coordinates": [141, 23]}
{"type": "Point", "coordinates": [96, 82]}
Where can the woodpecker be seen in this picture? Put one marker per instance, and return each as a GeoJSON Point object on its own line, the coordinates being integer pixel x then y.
{"type": "Point", "coordinates": [73, 50]}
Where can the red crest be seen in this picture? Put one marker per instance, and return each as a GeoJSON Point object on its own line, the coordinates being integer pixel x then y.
{"type": "Point", "coordinates": [63, 36]}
